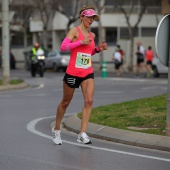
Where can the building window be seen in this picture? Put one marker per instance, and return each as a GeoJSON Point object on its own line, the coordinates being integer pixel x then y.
{"type": "Point", "coordinates": [124, 33]}
{"type": "Point", "coordinates": [95, 31]}
{"type": "Point", "coordinates": [153, 6]}
{"type": "Point", "coordinates": [148, 32]}
{"type": "Point", "coordinates": [17, 39]}
{"type": "Point", "coordinates": [111, 36]}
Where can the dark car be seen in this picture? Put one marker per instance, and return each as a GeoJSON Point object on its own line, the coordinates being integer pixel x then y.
{"type": "Point", "coordinates": [11, 59]}
{"type": "Point", "coordinates": [57, 60]}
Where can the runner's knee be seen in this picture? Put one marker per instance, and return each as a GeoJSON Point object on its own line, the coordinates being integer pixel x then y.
{"type": "Point", "coordinates": [65, 103]}
{"type": "Point", "coordinates": [88, 102]}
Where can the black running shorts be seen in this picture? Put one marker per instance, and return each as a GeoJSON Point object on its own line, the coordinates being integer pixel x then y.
{"type": "Point", "coordinates": [74, 81]}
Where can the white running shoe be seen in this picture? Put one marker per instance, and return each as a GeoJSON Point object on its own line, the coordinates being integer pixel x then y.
{"type": "Point", "coordinates": [83, 138]}
{"type": "Point", "coordinates": [56, 136]}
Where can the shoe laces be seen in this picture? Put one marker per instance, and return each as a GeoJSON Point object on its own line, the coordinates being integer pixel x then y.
{"type": "Point", "coordinates": [84, 135]}
{"type": "Point", "coordinates": [57, 134]}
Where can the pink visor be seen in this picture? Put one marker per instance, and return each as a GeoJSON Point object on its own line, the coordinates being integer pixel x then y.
{"type": "Point", "coordinates": [89, 13]}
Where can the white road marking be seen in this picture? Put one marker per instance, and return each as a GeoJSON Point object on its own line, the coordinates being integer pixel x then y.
{"type": "Point", "coordinates": [31, 127]}
{"type": "Point", "coordinates": [40, 86]}
{"type": "Point", "coordinates": [38, 95]}
{"type": "Point", "coordinates": [5, 95]}
{"type": "Point", "coordinates": [127, 79]}
{"type": "Point", "coordinates": [151, 88]}
{"type": "Point", "coordinates": [163, 81]}
{"type": "Point", "coordinates": [109, 92]}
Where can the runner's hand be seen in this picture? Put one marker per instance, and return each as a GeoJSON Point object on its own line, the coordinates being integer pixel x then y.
{"type": "Point", "coordinates": [87, 40]}
{"type": "Point", "coordinates": [103, 46]}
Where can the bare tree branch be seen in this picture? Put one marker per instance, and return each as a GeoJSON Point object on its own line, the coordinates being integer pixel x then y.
{"type": "Point", "coordinates": [68, 10]}
{"type": "Point", "coordinates": [132, 29]}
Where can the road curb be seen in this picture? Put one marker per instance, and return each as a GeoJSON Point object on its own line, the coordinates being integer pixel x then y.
{"type": "Point", "coordinates": [73, 123]}
{"type": "Point", "coordinates": [14, 87]}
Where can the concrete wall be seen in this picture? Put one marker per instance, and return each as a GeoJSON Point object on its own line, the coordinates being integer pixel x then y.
{"type": "Point", "coordinates": [19, 57]}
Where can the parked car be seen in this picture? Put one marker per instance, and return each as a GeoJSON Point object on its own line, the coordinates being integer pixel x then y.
{"type": "Point", "coordinates": [158, 67]}
{"type": "Point", "coordinates": [57, 60]}
{"type": "Point", "coordinates": [12, 61]}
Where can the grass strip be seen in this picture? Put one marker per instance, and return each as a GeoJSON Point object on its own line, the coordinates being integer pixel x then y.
{"type": "Point", "coordinates": [13, 82]}
{"type": "Point", "coordinates": [146, 115]}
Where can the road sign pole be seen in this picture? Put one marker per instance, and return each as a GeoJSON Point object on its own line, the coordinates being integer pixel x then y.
{"type": "Point", "coordinates": [162, 44]}
{"type": "Point", "coordinates": [167, 130]}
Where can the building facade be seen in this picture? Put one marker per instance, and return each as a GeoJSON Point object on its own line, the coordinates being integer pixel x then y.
{"type": "Point", "coordinates": [114, 27]}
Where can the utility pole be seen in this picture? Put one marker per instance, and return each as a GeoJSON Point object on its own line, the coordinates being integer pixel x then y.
{"type": "Point", "coordinates": [5, 42]}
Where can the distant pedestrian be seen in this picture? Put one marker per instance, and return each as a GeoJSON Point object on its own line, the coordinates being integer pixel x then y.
{"type": "Point", "coordinates": [122, 56]}
{"type": "Point", "coordinates": [149, 57]}
{"type": "Point", "coordinates": [118, 61]}
{"type": "Point", "coordinates": [140, 55]}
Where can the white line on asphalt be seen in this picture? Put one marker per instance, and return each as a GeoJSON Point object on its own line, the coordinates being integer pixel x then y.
{"type": "Point", "coordinates": [127, 79]}
{"type": "Point", "coordinates": [31, 127]}
{"type": "Point", "coordinates": [38, 95]}
{"type": "Point", "coordinates": [40, 86]}
{"type": "Point", "coordinates": [109, 92]}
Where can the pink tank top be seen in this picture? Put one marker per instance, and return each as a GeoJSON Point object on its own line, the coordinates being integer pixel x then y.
{"type": "Point", "coordinates": [80, 63]}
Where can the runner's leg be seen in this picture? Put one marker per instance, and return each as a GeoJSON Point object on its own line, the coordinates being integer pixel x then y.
{"type": "Point", "coordinates": [87, 87]}
{"type": "Point", "coordinates": [67, 96]}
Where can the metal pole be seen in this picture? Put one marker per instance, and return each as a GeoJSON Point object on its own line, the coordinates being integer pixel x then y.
{"type": "Point", "coordinates": [167, 130]}
{"type": "Point", "coordinates": [5, 42]}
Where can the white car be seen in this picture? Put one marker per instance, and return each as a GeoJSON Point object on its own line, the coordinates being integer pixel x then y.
{"type": "Point", "coordinates": [57, 60]}
{"type": "Point", "coordinates": [158, 67]}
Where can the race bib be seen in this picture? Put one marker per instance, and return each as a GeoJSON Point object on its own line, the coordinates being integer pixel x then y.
{"type": "Point", "coordinates": [83, 60]}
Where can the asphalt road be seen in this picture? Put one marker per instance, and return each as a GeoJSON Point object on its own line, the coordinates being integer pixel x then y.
{"type": "Point", "coordinates": [26, 115]}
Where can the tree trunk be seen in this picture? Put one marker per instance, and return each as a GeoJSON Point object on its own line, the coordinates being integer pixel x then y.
{"type": "Point", "coordinates": [25, 38]}
{"type": "Point", "coordinates": [45, 39]}
{"type": "Point", "coordinates": [131, 54]}
{"type": "Point", "coordinates": [131, 31]}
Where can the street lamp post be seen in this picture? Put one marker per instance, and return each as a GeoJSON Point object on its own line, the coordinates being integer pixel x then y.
{"type": "Point", "coordinates": [5, 42]}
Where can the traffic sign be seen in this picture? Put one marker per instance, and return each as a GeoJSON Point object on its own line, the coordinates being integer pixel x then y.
{"type": "Point", "coordinates": [162, 40]}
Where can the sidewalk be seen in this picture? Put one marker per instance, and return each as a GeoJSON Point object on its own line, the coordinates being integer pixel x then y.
{"type": "Point", "coordinates": [158, 142]}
